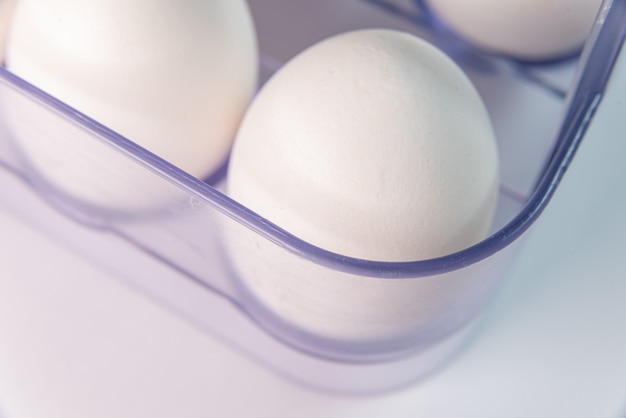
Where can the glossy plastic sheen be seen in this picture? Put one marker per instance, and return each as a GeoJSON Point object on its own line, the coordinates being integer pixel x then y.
{"type": "Point", "coordinates": [177, 243]}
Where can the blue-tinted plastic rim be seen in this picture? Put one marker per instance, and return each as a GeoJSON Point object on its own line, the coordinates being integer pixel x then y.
{"type": "Point", "coordinates": [598, 58]}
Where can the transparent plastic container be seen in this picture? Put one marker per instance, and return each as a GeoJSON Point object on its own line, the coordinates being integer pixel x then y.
{"type": "Point", "coordinates": [186, 244]}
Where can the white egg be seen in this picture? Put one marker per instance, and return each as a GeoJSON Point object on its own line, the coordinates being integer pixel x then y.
{"type": "Point", "coordinates": [371, 144]}
{"type": "Point", "coordinates": [173, 76]}
{"type": "Point", "coordinates": [531, 30]}
{"type": "Point", "coordinates": [6, 10]}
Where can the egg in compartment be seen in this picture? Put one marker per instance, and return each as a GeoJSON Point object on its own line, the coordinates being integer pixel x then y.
{"type": "Point", "coordinates": [529, 30]}
{"type": "Point", "coordinates": [174, 77]}
{"type": "Point", "coordinates": [372, 145]}
{"type": "Point", "coordinates": [6, 10]}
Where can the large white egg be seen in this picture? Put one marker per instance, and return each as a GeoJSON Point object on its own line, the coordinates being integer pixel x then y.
{"type": "Point", "coordinates": [6, 10]}
{"type": "Point", "coordinates": [173, 76]}
{"type": "Point", "coordinates": [526, 29]}
{"type": "Point", "coordinates": [372, 144]}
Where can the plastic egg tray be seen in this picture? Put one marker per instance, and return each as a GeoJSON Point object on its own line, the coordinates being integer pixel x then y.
{"type": "Point", "coordinates": [175, 252]}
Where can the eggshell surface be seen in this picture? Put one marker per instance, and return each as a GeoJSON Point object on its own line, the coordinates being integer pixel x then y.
{"type": "Point", "coordinates": [372, 144]}
{"type": "Point", "coordinates": [173, 76]}
{"type": "Point", "coordinates": [531, 30]}
{"type": "Point", "coordinates": [6, 10]}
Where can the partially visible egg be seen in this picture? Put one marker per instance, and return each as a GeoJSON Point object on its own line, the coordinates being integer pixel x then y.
{"type": "Point", "coordinates": [371, 144]}
{"type": "Point", "coordinates": [173, 76]}
{"type": "Point", "coordinates": [532, 30]}
{"type": "Point", "coordinates": [6, 10]}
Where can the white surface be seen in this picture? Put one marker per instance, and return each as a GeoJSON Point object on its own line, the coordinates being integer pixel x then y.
{"type": "Point", "coordinates": [76, 344]}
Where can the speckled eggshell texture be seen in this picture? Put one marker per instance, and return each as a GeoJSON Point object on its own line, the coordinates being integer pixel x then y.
{"type": "Point", "coordinates": [372, 144]}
